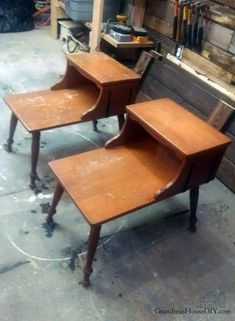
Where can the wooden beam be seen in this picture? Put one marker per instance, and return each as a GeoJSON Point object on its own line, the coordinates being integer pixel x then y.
{"type": "Point", "coordinates": [227, 3]}
{"type": "Point", "coordinates": [97, 17]}
{"type": "Point", "coordinates": [159, 25]}
{"type": "Point", "coordinates": [222, 15]}
{"type": "Point", "coordinates": [218, 35]}
{"type": "Point", "coordinates": [137, 16]}
{"type": "Point", "coordinates": [231, 47]}
{"type": "Point", "coordinates": [219, 56]}
{"type": "Point", "coordinates": [220, 115]}
{"type": "Point", "coordinates": [226, 90]}
{"type": "Point", "coordinates": [205, 67]}
{"type": "Point", "coordinates": [56, 12]}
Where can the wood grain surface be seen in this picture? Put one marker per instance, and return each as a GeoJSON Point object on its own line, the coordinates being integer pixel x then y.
{"type": "Point", "coordinates": [49, 109]}
{"type": "Point", "coordinates": [102, 69]}
{"type": "Point", "coordinates": [107, 183]}
{"type": "Point", "coordinates": [177, 127]}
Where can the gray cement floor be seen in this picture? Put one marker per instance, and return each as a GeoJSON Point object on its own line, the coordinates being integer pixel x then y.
{"type": "Point", "coordinates": [145, 261]}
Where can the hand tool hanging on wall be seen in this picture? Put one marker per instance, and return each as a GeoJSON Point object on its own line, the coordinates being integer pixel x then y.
{"type": "Point", "coordinates": [179, 22]}
{"type": "Point", "coordinates": [196, 8]}
{"type": "Point", "coordinates": [203, 10]}
{"type": "Point", "coordinates": [175, 19]}
{"type": "Point", "coordinates": [188, 23]}
{"type": "Point", "coordinates": [184, 23]}
{"type": "Point", "coordinates": [189, 27]}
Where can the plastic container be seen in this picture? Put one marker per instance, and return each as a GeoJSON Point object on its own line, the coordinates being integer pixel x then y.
{"type": "Point", "coordinates": [81, 10]}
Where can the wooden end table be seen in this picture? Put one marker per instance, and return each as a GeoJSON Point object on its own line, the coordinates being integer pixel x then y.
{"type": "Point", "coordinates": [94, 86]}
{"type": "Point", "coordinates": [162, 150]}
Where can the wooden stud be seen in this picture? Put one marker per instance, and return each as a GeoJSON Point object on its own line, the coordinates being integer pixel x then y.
{"type": "Point", "coordinates": [138, 12]}
{"type": "Point", "coordinates": [220, 115]}
{"type": "Point", "coordinates": [96, 25]}
{"type": "Point", "coordinates": [143, 63]}
{"type": "Point", "coordinates": [57, 11]}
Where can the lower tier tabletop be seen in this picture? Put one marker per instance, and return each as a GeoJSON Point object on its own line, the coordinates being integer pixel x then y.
{"type": "Point", "coordinates": [107, 183]}
{"type": "Point", "coordinates": [52, 108]}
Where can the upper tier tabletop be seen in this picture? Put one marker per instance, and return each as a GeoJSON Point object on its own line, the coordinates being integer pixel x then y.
{"type": "Point", "coordinates": [176, 127]}
{"type": "Point", "coordinates": [102, 69]}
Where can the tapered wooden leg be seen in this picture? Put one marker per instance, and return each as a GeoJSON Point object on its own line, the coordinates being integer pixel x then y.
{"type": "Point", "coordinates": [194, 194]}
{"type": "Point", "coordinates": [121, 120]}
{"type": "Point", "coordinates": [12, 128]}
{"type": "Point", "coordinates": [56, 198]}
{"type": "Point", "coordinates": [34, 159]}
{"type": "Point", "coordinates": [92, 245]}
{"type": "Point", "coordinates": [95, 123]}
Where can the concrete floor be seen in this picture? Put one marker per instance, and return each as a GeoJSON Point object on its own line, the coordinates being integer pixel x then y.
{"type": "Point", "coordinates": [145, 261]}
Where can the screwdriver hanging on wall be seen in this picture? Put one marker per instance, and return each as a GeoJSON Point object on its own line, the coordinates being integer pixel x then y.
{"type": "Point", "coordinates": [179, 22]}
{"type": "Point", "coordinates": [203, 10]}
{"type": "Point", "coordinates": [196, 9]}
{"type": "Point", "coordinates": [189, 27]}
{"type": "Point", "coordinates": [175, 19]}
{"type": "Point", "coordinates": [184, 23]}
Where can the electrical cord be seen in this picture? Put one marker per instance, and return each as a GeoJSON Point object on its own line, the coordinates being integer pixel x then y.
{"type": "Point", "coordinates": [42, 14]}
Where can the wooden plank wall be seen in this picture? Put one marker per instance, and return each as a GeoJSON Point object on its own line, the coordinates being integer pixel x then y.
{"type": "Point", "coordinates": [219, 29]}
{"type": "Point", "coordinates": [165, 79]}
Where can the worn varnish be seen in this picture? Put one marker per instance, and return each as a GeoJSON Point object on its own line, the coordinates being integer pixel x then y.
{"type": "Point", "coordinates": [161, 151]}
{"type": "Point", "coordinates": [52, 109]}
{"type": "Point", "coordinates": [94, 86]}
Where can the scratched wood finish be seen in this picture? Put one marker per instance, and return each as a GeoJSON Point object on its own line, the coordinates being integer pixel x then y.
{"type": "Point", "coordinates": [48, 109]}
{"type": "Point", "coordinates": [76, 98]}
{"type": "Point", "coordinates": [138, 167]}
{"type": "Point", "coordinates": [148, 161]}
{"type": "Point", "coordinates": [105, 184]}
{"type": "Point", "coordinates": [94, 86]}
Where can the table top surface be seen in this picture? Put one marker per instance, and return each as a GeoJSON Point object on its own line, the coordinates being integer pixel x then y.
{"type": "Point", "coordinates": [107, 183]}
{"type": "Point", "coordinates": [176, 127]}
{"type": "Point", "coordinates": [48, 109]}
{"type": "Point", "coordinates": [102, 68]}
